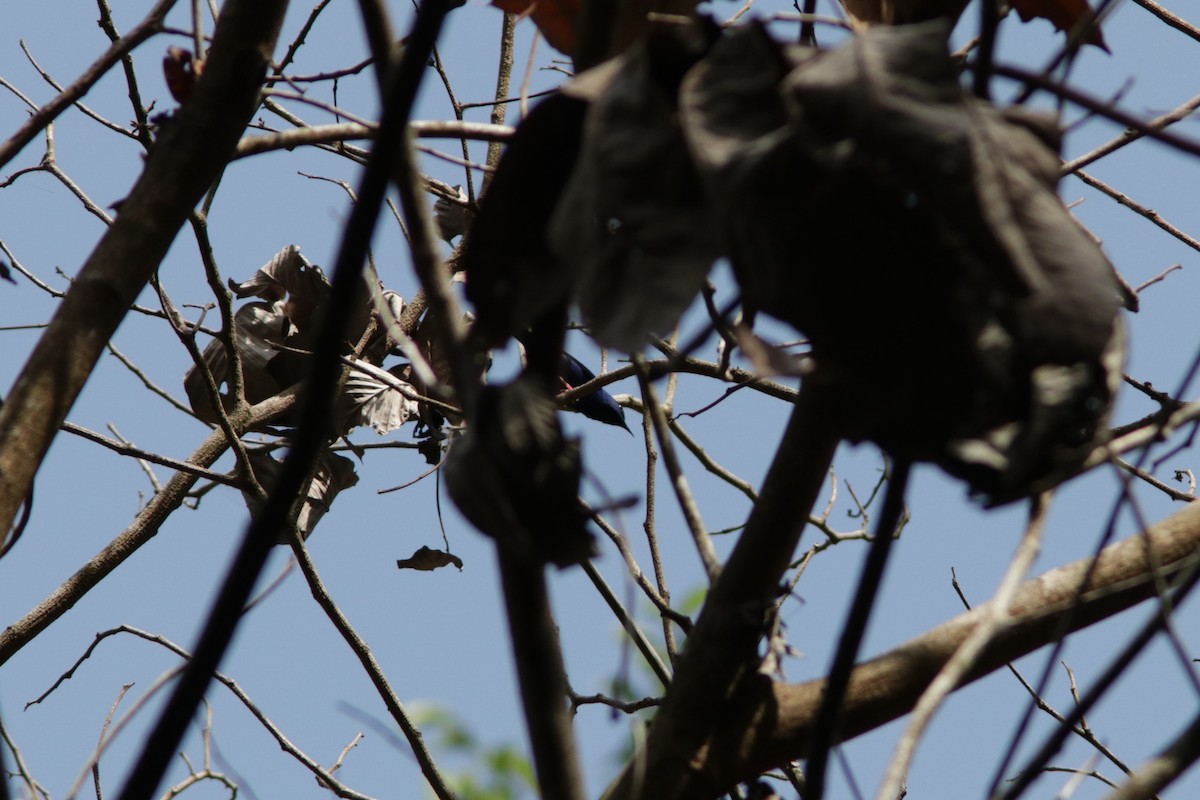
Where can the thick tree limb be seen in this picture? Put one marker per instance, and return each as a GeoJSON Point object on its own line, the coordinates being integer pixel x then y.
{"type": "Point", "coordinates": [720, 662]}
{"type": "Point", "coordinates": [189, 155]}
{"type": "Point", "coordinates": [772, 723]}
{"type": "Point", "coordinates": [538, 657]}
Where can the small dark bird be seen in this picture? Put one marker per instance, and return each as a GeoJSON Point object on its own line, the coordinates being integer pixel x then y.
{"type": "Point", "coordinates": [599, 405]}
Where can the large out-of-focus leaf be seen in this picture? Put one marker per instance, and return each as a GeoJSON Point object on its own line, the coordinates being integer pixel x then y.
{"type": "Point", "coordinates": [915, 235]}
{"type": "Point", "coordinates": [899, 12]}
{"type": "Point", "coordinates": [333, 474]}
{"type": "Point", "coordinates": [633, 217]}
{"type": "Point", "coordinates": [516, 478]}
{"type": "Point", "coordinates": [512, 279]}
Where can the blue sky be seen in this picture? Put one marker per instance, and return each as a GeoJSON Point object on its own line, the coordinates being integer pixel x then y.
{"type": "Point", "coordinates": [441, 636]}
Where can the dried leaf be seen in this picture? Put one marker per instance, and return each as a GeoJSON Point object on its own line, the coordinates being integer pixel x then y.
{"type": "Point", "coordinates": [427, 559]}
{"type": "Point", "coordinates": [288, 275]}
{"type": "Point", "coordinates": [273, 334]}
{"type": "Point", "coordinates": [261, 329]}
{"type": "Point", "coordinates": [453, 217]}
{"type": "Point", "coordinates": [556, 19]}
{"type": "Point", "coordinates": [1065, 14]}
{"type": "Point", "coordinates": [333, 474]}
{"type": "Point", "coordinates": [373, 397]}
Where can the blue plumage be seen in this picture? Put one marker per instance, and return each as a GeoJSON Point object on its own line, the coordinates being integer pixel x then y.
{"type": "Point", "coordinates": [599, 405]}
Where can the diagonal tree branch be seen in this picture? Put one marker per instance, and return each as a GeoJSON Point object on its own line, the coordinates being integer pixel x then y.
{"type": "Point", "coordinates": [773, 723]}
{"type": "Point", "coordinates": [145, 526]}
{"type": "Point", "coordinates": [720, 661]}
{"type": "Point", "coordinates": [190, 154]}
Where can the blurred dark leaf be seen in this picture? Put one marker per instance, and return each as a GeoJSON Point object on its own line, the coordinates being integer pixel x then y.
{"type": "Point", "coordinates": [956, 308]}
{"type": "Point", "coordinates": [633, 217]}
{"type": "Point", "coordinates": [1065, 14]}
{"type": "Point", "coordinates": [426, 559]}
{"type": "Point", "coordinates": [6, 273]}
{"type": "Point", "coordinates": [512, 280]}
{"type": "Point", "coordinates": [516, 478]}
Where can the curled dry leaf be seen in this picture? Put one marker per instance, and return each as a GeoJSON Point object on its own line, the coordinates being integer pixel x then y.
{"type": "Point", "coordinates": [427, 559]}
{"type": "Point", "coordinates": [453, 217]}
{"type": "Point", "coordinates": [376, 398]}
{"type": "Point", "coordinates": [1065, 14]}
{"type": "Point", "coordinates": [273, 333]}
{"type": "Point", "coordinates": [333, 474]}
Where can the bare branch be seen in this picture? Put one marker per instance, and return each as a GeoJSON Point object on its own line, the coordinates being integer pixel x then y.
{"type": "Point", "coordinates": [149, 26]}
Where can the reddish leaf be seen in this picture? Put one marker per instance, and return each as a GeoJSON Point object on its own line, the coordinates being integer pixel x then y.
{"type": "Point", "coordinates": [181, 70]}
{"type": "Point", "coordinates": [1063, 13]}
{"type": "Point", "coordinates": [554, 18]}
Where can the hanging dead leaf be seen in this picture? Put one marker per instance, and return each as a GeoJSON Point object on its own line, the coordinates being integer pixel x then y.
{"type": "Point", "coordinates": [516, 477]}
{"type": "Point", "coordinates": [427, 559]}
{"type": "Point", "coordinates": [512, 278]}
{"type": "Point", "coordinates": [900, 12]}
{"type": "Point", "coordinates": [554, 18]}
{"type": "Point", "coordinates": [333, 473]}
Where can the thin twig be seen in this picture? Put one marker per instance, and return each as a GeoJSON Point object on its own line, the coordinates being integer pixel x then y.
{"type": "Point", "coordinates": [149, 26]}
{"type": "Point", "coordinates": [374, 671]}
{"type": "Point", "coordinates": [1138, 208]}
{"type": "Point", "coordinates": [965, 657]}
{"type": "Point", "coordinates": [683, 492]}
